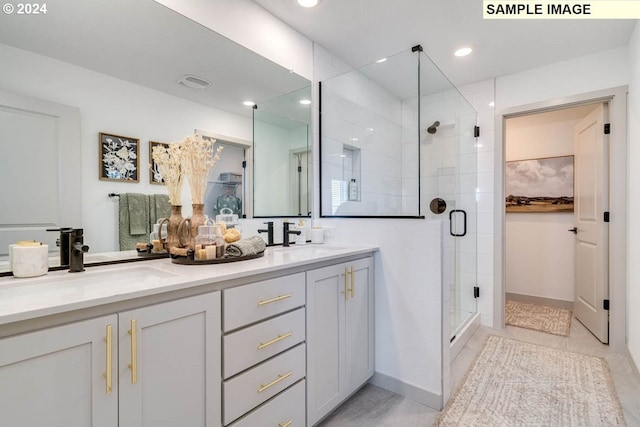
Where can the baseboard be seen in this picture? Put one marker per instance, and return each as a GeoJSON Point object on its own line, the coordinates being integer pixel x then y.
{"type": "Point", "coordinates": [409, 391]}
{"type": "Point", "coordinates": [568, 305]}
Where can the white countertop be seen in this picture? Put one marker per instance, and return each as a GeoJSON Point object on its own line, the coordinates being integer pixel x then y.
{"type": "Point", "coordinates": [61, 291]}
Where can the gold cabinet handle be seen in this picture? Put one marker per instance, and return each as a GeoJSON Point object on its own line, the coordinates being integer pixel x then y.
{"type": "Point", "coordinates": [134, 352]}
{"type": "Point", "coordinates": [346, 286]}
{"type": "Point", "coordinates": [353, 277]}
{"type": "Point", "coordinates": [287, 424]}
{"type": "Point", "coordinates": [109, 372]}
{"type": "Point", "coordinates": [273, 341]}
{"type": "Point", "coordinates": [281, 377]}
{"type": "Point", "coordinates": [278, 298]}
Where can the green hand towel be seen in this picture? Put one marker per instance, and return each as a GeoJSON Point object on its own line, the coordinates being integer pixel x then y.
{"type": "Point", "coordinates": [251, 246]}
{"type": "Point", "coordinates": [138, 213]}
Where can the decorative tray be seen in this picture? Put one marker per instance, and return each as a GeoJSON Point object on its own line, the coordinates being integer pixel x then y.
{"type": "Point", "coordinates": [148, 253]}
{"type": "Point", "coordinates": [189, 260]}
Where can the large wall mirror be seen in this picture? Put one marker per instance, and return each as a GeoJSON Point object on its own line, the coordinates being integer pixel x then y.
{"type": "Point", "coordinates": [138, 69]}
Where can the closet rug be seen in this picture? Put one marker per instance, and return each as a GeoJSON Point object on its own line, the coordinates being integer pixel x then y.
{"type": "Point", "coordinates": [538, 317]}
{"type": "Point", "coordinates": [513, 383]}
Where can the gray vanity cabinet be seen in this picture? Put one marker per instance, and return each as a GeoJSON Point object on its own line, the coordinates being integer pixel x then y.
{"type": "Point", "coordinates": [57, 376]}
{"type": "Point", "coordinates": [156, 366]}
{"type": "Point", "coordinates": [340, 334]}
{"type": "Point", "coordinates": [169, 368]}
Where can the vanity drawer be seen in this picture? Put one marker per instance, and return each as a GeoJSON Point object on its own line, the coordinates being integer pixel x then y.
{"type": "Point", "coordinates": [250, 303]}
{"type": "Point", "coordinates": [247, 347]}
{"type": "Point", "coordinates": [257, 385]}
{"type": "Point", "coordinates": [286, 409]}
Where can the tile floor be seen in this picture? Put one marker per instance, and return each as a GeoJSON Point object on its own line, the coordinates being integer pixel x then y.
{"type": "Point", "coordinates": [374, 406]}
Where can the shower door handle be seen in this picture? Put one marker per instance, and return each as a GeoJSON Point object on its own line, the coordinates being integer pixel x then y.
{"type": "Point", "coordinates": [464, 222]}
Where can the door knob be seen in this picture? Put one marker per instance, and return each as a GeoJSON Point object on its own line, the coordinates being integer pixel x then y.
{"type": "Point", "coordinates": [574, 230]}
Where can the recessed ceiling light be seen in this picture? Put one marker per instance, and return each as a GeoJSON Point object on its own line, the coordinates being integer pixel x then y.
{"type": "Point", "coordinates": [249, 103]}
{"type": "Point", "coordinates": [353, 139]}
{"type": "Point", "coordinates": [308, 3]}
{"type": "Point", "coordinates": [463, 51]}
{"type": "Point", "coordinates": [305, 101]}
{"type": "Point", "coordinates": [381, 60]}
{"type": "Point", "coordinates": [492, 104]}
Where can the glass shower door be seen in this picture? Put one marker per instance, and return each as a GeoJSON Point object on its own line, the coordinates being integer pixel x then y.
{"type": "Point", "coordinates": [448, 184]}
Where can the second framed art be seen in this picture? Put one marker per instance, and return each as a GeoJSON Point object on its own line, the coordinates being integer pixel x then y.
{"type": "Point", "coordinates": [155, 176]}
{"type": "Point", "coordinates": [539, 185]}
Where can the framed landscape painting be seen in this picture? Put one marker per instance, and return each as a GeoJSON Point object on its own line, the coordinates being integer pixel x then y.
{"type": "Point", "coordinates": [539, 185]}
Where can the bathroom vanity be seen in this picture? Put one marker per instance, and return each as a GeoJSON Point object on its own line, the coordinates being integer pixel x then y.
{"type": "Point", "coordinates": [280, 340]}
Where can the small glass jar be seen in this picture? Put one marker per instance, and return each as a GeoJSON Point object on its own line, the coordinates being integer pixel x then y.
{"type": "Point", "coordinates": [205, 243]}
{"type": "Point", "coordinates": [219, 241]}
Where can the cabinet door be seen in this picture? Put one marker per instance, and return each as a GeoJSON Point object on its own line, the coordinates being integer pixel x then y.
{"type": "Point", "coordinates": [56, 377]}
{"type": "Point", "coordinates": [170, 364]}
{"type": "Point", "coordinates": [326, 299]}
{"type": "Point", "coordinates": [359, 324]}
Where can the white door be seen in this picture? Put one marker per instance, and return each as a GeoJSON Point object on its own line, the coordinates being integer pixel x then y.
{"type": "Point", "coordinates": [591, 200]}
{"type": "Point", "coordinates": [39, 168]}
{"type": "Point", "coordinates": [58, 377]}
{"type": "Point", "coordinates": [169, 370]}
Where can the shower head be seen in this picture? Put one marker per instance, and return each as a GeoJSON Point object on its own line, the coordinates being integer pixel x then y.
{"type": "Point", "coordinates": [432, 129]}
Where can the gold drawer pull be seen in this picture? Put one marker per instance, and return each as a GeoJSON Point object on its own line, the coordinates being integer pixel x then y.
{"type": "Point", "coordinates": [278, 298]}
{"type": "Point", "coordinates": [108, 374]}
{"type": "Point", "coordinates": [353, 276]}
{"type": "Point", "coordinates": [281, 377]}
{"type": "Point", "coordinates": [287, 424]}
{"type": "Point", "coordinates": [273, 341]}
{"type": "Point", "coordinates": [346, 287]}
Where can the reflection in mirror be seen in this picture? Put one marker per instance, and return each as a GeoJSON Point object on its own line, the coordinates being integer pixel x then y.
{"type": "Point", "coordinates": [124, 80]}
{"type": "Point", "coordinates": [370, 140]}
{"type": "Point", "coordinates": [282, 155]}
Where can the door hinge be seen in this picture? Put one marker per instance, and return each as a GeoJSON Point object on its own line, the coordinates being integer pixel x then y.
{"type": "Point", "coordinates": [244, 164]}
{"type": "Point", "coordinates": [476, 292]}
{"type": "Point", "coordinates": [606, 217]}
{"type": "Point", "coordinates": [476, 131]}
{"type": "Point", "coordinates": [607, 128]}
{"type": "Point", "coordinates": [605, 304]}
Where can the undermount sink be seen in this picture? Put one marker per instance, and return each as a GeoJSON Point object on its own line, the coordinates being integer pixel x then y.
{"type": "Point", "coordinates": [310, 248]}
{"type": "Point", "coordinates": [141, 274]}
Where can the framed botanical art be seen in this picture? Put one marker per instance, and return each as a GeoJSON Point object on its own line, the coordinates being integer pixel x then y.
{"type": "Point", "coordinates": [539, 185]}
{"type": "Point", "coordinates": [118, 158]}
{"type": "Point", "coordinates": [155, 176]}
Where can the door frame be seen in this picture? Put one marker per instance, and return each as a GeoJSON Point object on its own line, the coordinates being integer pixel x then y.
{"type": "Point", "coordinates": [617, 99]}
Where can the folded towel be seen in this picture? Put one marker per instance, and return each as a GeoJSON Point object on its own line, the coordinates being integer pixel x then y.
{"type": "Point", "coordinates": [159, 207]}
{"type": "Point", "coordinates": [133, 221]}
{"type": "Point", "coordinates": [138, 213]}
{"type": "Point", "coordinates": [251, 246]}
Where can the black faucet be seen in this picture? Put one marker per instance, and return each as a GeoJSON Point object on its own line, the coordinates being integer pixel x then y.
{"type": "Point", "coordinates": [77, 248]}
{"type": "Point", "coordinates": [269, 232]}
{"type": "Point", "coordinates": [63, 243]}
{"type": "Point", "coordinates": [287, 232]}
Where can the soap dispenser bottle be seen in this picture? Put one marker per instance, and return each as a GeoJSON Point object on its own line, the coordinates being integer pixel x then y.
{"type": "Point", "coordinates": [353, 189]}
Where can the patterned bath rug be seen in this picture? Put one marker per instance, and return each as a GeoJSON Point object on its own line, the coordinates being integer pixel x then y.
{"type": "Point", "coordinates": [513, 383]}
{"type": "Point", "coordinates": [551, 320]}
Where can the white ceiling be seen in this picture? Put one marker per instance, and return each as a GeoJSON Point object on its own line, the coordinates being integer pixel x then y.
{"type": "Point", "coordinates": [361, 31]}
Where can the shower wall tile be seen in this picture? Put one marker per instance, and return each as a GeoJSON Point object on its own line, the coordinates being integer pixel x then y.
{"type": "Point", "coordinates": [485, 182]}
{"type": "Point", "coordinates": [485, 162]}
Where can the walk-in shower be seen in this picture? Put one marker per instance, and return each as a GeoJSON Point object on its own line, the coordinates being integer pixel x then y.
{"type": "Point", "coordinates": [398, 140]}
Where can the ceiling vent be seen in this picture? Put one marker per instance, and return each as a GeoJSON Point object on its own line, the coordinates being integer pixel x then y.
{"type": "Point", "coordinates": [194, 82]}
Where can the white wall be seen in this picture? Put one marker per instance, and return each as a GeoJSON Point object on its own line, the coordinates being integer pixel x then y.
{"type": "Point", "coordinates": [114, 106]}
{"type": "Point", "coordinates": [539, 250]}
{"type": "Point", "coordinates": [633, 253]}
